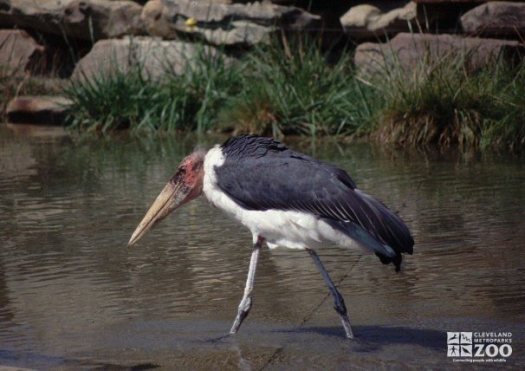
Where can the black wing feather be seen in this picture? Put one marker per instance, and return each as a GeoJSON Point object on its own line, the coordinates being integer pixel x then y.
{"type": "Point", "coordinates": [261, 174]}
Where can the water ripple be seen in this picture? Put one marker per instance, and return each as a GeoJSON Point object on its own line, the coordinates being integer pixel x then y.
{"type": "Point", "coordinates": [65, 269]}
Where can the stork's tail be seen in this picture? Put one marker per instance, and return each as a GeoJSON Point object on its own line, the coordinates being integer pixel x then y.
{"type": "Point", "coordinates": [396, 259]}
{"type": "Point", "coordinates": [382, 231]}
{"type": "Point", "coordinates": [390, 230]}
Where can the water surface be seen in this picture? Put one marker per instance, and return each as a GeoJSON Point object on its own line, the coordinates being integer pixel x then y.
{"type": "Point", "coordinates": [72, 295]}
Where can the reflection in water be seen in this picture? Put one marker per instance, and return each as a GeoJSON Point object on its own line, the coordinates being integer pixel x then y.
{"type": "Point", "coordinates": [69, 287]}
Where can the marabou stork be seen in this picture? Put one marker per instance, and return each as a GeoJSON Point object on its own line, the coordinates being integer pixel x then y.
{"type": "Point", "coordinates": [286, 199]}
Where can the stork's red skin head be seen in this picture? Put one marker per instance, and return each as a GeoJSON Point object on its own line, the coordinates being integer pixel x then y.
{"type": "Point", "coordinates": [183, 187]}
{"type": "Point", "coordinates": [190, 173]}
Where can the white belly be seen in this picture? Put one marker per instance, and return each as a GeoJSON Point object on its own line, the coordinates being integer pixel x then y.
{"type": "Point", "coordinates": [291, 229]}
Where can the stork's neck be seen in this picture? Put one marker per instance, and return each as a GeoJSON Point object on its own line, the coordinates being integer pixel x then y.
{"type": "Point", "coordinates": [214, 159]}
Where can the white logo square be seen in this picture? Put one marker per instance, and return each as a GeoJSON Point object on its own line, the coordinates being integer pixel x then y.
{"type": "Point", "coordinates": [452, 337]}
{"type": "Point", "coordinates": [466, 350]}
{"type": "Point", "coordinates": [466, 338]}
{"type": "Point", "coordinates": [453, 351]}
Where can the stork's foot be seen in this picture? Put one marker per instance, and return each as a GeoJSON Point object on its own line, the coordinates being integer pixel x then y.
{"type": "Point", "coordinates": [242, 313]}
{"type": "Point", "coordinates": [339, 303]}
{"type": "Point", "coordinates": [246, 302]}
{"type": "Point", "coordinates": [346, 325]}
{"type": "Point", "coordinates": [340, 308]}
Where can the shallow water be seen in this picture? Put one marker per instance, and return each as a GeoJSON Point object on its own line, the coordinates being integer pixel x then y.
{"type": "Point", "coordinates": [73, 296]}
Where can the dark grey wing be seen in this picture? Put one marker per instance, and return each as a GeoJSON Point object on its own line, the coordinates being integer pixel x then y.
{"type": "Point", "coordinates": [287, 180]}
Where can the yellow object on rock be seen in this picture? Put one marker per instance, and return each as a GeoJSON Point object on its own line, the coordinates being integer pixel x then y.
{"type": "Point", "coordinates": [190, 22]}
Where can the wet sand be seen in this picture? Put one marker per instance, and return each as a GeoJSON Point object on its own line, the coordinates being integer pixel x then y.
{"type": "Point", "coordinates": [203, 345]}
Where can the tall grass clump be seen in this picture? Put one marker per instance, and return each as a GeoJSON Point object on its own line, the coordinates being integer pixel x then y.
{"type": "Point", "coordinates": [112, 101]}
{"type": "Point", "coordinates": [177, 101]}
{"type": "Point", "coordinates": [448, 104]}
{"type": "Point", "coordinates": [293, 90]}
{"type": "Point", "coordinates": [508, 130]}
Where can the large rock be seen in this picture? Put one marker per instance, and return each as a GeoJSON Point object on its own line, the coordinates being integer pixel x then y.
{"type": "Point", "coordinates": [154, 22]}
{"type": "Point", "coordinates": [223, 24]}
{"type": "Point", "coordinates": [19, 52]}
{"type": "Point", "coordinates": [367, 21]}
{"type": "Point", "coordinates": [154, 57]}
{"type": "Point", "coordinates": [83, 19]}
{"type": "Point", "coordinates": [503, 18]}
{"type": "Point", "coordinates": [406, 51]}
{"type": "Point", "coordinates": [45, 110]}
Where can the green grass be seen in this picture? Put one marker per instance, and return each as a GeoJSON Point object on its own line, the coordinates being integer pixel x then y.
{"type": "Point", "coordinates": [448, 105]}
{"type": "Point", "coordinates": [295, 91]}
{"type": "Point", "coordinates": [280, 89]}
{"type": "Point", "coordinates": [508, 128]}
{"type": "Point", "coordinates": [190, 101]}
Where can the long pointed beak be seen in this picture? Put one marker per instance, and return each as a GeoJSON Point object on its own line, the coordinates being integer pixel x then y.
{"type": "Point", "coordinates": [171, 197]}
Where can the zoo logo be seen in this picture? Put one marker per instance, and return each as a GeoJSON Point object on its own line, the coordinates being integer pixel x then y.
{"type": "Point", "coordinates": [479, 346]}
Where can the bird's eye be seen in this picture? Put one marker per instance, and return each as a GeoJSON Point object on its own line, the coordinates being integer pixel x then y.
{"type": "Point", "coordinates": [180, 174]}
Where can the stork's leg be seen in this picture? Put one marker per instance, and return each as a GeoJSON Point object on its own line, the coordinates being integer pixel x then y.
{"type": "Point", "coordinates": [246, 302]}
{"type": "Point", "coordinates": [339, 303]}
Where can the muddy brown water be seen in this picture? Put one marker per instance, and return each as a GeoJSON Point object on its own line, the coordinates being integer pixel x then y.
{"type": "Point", "coordinates": [73, 296]}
